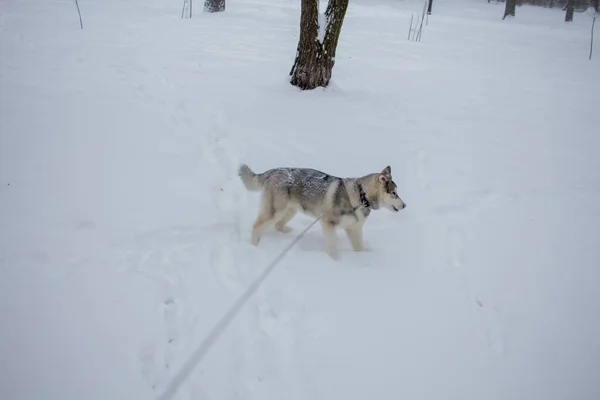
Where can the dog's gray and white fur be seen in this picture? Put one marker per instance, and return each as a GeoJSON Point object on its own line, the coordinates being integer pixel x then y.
{"type": "Point", "coordinates": [342, 202]}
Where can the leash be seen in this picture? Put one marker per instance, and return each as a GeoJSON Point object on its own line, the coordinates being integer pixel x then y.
{"type": "Point", "coordinates": [220, 327]}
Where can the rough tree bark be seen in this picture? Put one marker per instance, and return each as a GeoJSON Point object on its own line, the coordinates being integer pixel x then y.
{"type": "Point", "coordinates": [509, 10]}
{"type": "Point", "coordinates": [570, 10]}
{"type": "Point", "coordinates": [214, 6]}
{"type": "Point", "coordinates": [315, 55]}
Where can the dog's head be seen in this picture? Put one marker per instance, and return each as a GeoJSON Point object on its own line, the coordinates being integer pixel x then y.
{"type": "Point", "coordinates": [387, 191]}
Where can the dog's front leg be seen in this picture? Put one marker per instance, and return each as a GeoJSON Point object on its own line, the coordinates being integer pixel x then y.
{"type": "Point", "coordinates": [355, 237]}
{"type": "Point", "coordinates": [330, 239]}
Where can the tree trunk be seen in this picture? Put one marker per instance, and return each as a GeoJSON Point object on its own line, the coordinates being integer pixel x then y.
{"type": "Point", "coordinates": [570, 10]}
{"type": "Point", "coordinates": [430, 4]}
{"type": "Point", "coordinates": [315, 55]}
{"type": "Point", "coordinates": [509, 11]}
{"type": "Point", "coordinates": [212, 6]}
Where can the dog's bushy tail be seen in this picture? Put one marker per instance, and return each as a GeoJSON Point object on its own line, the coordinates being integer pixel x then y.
{"type": "Point", "coordinates": [250, 179]}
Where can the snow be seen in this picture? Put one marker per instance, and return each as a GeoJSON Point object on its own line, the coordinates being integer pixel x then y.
{"type": "Point", "coordinates": [322, 21]}
{"type": "Point", "coordinates": [125, 232]}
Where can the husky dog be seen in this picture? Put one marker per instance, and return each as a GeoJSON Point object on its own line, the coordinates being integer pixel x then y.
{"type": "Point", "coordinates": [342, 202]}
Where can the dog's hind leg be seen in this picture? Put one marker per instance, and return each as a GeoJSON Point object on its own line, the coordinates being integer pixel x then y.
{"type": "Point", "coordinates": [271, 211]}
{"type": "Point", "coordinates": [261, 224]}
{"type": "Point", "coordinates": [287, 217]}
{"type": "Point", "coordinates": [355, 237]}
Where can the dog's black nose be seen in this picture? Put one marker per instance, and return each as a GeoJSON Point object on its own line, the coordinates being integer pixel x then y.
{"type": "Point", "coordinates": [403, 206]}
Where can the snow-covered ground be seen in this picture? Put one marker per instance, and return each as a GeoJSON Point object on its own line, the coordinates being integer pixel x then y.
{"type": "Point", "coordinates": [125, 232]}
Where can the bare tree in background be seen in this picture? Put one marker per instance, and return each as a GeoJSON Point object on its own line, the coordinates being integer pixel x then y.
{"type": "Point", "coordinates": [509, 10]}
{"type": "Point", "coordinates": [595, 13]}
{"type": "Point", "coordinates": [79, 12]}
{"type": "Point", "coordinates": [570, 7]}
{"type": "Point", "coordinates": [187, 6]}
{"type": "Point", "coordinates": [214, 5]}
{"type": "Point", "coordinates": [319, 36]}
{"type": "Point", "coordinates": [429, 5]}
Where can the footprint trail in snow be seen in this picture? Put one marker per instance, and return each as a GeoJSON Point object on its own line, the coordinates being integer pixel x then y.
{"type": "Point", "coordinates": [488, 314]}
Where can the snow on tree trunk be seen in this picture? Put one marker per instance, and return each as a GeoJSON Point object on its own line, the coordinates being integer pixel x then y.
{"type": "Point", "coordinates": [509, 11]}
{"type": "Point", "coordinates": [570, 10]}
{"type": "Point", "coordinates": [315, 56]}
{"type": "Point", "coordinates": [214, 6]}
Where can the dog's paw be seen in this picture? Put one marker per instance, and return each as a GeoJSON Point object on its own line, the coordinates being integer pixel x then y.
{"type": "Point", "coordinates": [357, 246]}
{"type": "Point", "coordinates": [367, 248]}
{"type": "Point", "coordinates": [334, 254]}
{"type": "Point", "coordinates": [284, 229]}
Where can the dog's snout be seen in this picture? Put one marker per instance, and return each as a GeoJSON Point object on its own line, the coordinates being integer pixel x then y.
{"type": "Point", "coordinates": [403, 206]}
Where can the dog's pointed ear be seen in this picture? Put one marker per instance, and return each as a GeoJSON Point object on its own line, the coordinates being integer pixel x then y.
{"type": "Point", "coordinates": [385, 175]}
{"type": "Point", "coordinates": [387, 171]}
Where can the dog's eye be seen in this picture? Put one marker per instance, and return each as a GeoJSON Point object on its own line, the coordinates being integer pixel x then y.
{"type": "Point", "coordinates": [394, 194]}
